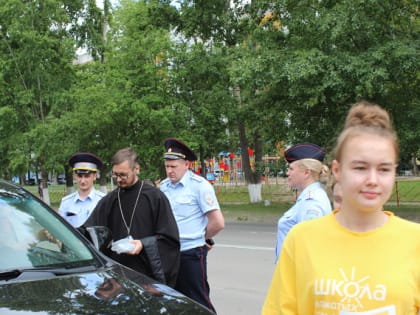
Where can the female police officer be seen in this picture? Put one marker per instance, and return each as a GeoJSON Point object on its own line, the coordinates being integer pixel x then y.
{"type": "Point", "coordinates": [304, 173]}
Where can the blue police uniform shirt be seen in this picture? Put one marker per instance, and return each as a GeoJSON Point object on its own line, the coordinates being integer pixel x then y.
{"type": "Point", "coordinates": [191, 198]}
{"type": "Point", "coordinates": [76, 210]}
{"type": "Point", "coordinates": [312, 202]}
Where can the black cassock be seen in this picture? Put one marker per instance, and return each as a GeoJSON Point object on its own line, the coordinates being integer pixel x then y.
{"type": "Point", "coordinates": [153, 223]}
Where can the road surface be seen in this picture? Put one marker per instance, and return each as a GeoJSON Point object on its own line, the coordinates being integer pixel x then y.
{"type": "Point", "coordinates": [240, 267]}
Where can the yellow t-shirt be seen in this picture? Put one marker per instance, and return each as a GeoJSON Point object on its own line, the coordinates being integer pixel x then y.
{"type": "Point", "coordinates": [325, 269]}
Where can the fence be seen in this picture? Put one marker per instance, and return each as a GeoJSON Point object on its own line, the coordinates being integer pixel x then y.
{"type": "Point", "coordinates": [406, 190]}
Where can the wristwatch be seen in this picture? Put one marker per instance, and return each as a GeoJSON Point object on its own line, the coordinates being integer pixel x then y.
{"type": "Point", "coordinates": [210, 241]}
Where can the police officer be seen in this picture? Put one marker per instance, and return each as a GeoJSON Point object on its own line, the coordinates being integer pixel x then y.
{"type": "Point", "coordinates": [197, 212]}
{"type": "Point", "coordinates": [77, 207]}
{"type": "Point", "coordinates": [303, 175]}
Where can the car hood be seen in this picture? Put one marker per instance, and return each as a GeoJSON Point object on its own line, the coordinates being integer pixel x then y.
{"type": "Point", "coordinates": [115, 290]}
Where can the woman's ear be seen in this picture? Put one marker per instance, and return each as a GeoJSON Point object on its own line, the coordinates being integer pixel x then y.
{"type": "Point", "coordinates": [335, 169]}
{"type": "Point", "coordinates": [307, 172]}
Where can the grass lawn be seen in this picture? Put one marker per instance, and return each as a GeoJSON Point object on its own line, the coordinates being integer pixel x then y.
{"type": "Point", "coordinates": [234, 200]}
{"type": "Point", "coordinates": [406, 190]}
{"type": "Point", "coordinates": [258, 212]}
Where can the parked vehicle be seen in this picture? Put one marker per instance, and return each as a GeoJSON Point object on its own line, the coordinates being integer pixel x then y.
{"type": "Point", "coordinates": [30, 182]}
{"type": "Point", "coordinates": [48, 267]}
{"type": "Point", "coordinates": [61, 179]}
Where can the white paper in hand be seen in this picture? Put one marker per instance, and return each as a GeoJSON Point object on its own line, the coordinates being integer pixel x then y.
{"type": "Point", "coordinates": [123, 245]}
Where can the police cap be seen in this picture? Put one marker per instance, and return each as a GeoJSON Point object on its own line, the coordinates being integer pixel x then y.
{"type": "Point", "coordinates": [84, 163]}
{"type": "Point", "coordinates": [304, 151]}
{"type": "Point", "coordinates": [176, 149]}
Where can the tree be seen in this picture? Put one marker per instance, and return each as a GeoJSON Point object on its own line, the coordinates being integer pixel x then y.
{"type": "Point", "coordinates": [136, 78]}
{"type": "Point", "coordinates": [331, 54]}
{"type": "Point", "coordinates": [36, 68]}
{"type": "Point", "coordinates": [218, 25]}
{"type": "Point", "coordinates": [220, 74]}
{"type": "Point", "coordinates": [296, 67]}
{"type": "Point", "coordinates": [37, 50]}
{"type": "Point", "coordinates": [199, 84]}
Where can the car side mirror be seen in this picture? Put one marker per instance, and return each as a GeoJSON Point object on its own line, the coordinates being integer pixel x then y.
{"type": "Point", "coordinates": [100, 236]}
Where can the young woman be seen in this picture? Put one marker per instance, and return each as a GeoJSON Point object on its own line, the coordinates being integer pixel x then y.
{"type": "Point", "coordinates": [359, 259]}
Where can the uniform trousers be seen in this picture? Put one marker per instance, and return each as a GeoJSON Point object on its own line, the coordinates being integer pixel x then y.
{"type": "Point", "coordinates": [192, 276]}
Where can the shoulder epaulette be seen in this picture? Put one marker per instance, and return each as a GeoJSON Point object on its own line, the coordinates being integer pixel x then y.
{"type": "Point", "coordinates": [69, 196]}
{"type": "Point", "coordinates": [196, 177]}
{"type": "Point", "coordinates": [100, 193]}
{"type": "Point", "coordinates": [164, 181]}
{"type": "Point", "coordinates": [308, 194]}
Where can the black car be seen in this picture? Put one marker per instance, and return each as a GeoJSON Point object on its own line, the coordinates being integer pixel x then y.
{"type": "Point", "coordinates": [48, 267]}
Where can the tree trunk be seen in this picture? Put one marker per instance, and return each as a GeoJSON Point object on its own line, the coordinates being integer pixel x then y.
{"type": "Point", "coordinates": [102, 180]}
{"type": "Point", "coordinates": [254, 191]}
{"type": "Point", "coordinates": [415, 166]}
{"type": "Point", "coordinates": [69, 179]}
{"type": "Point", "coordinates": [43, 187]}
{"type": "Point", "coordinates": [251, 177]}
{"type": "Point", "coordinates": [202, 162]}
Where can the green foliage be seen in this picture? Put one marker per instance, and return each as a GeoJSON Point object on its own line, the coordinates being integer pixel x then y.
{"type": "Point", "coordinates": [36, 53]}
{"type": "Point", "coordinates": [203, 19]}
{"type": "Point", "coordinates": [218, 74]}
{"type": "Point", "coordinates": [203, 102]}
{"type": "Point", "coordinates": [329, 55]}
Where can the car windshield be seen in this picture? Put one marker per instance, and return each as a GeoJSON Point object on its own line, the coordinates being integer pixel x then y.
{"type": "Point", "coordinates": [31, 236]}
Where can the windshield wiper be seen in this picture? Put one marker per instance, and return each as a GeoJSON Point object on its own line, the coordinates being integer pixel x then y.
{"type": "Point", "coordinates": [43, 272]}
{"type": "Point", "coordinates": [11, 274]}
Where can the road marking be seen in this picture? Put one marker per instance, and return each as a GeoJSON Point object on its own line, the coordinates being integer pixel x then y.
{"type": "Point", "coordinates": [245, 247]}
